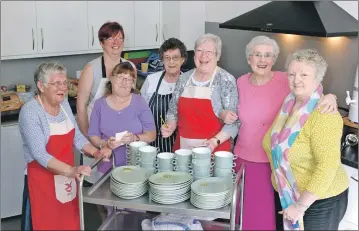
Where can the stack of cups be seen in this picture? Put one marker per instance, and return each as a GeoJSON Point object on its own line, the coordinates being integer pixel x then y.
{"type": "Point", "coordinates": [202, 165]}
{"type": "Point", "coordinates": [147, 158]}
{"type": "Point", "coordinates": [183, 158]}
{"type": "Point", "coordinates": [132, 152]}
{"type": "Point", "coordinates": [164, 162]}
{"type": "Point", "coordinates": [224, 164]}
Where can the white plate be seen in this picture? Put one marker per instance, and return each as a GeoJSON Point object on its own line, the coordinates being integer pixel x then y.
{"type": "Point", "coordinates": [170, 178]}
{"type": "Point", "coordinates": [130, 174]}
{"type": "Point", "coordinates": [211, 185]}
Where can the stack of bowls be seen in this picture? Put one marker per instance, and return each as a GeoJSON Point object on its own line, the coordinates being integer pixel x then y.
{"type": "Point", "coordinates": [182, 159]}
{"type": "Point", "coordinates": [170, 187]}
{"type": "Point", "coordinates": [164, 162]}
{"type": "Point", "coordinates": [147, 158]}
{"type": "Point", "coordinates": [211, 193]}
{"type": "Point", "coordinates": [202, 165]}
{"type": "Point", "coordinates": [132, 151]}
{"type": "Point", "coordinates": [224, 164]}
{"type": "Point", "coordinates": [129, 182]}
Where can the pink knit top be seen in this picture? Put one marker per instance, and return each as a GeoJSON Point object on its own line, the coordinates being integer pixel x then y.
{"type": "Point", "coordinates": [257, 109]}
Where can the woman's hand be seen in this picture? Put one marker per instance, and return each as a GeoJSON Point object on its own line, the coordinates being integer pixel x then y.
{"type": "Point", "coordinates": [77, 170]}
{"type": "Point", "coordinates": [211, 143]}
{"type": "Point", "coordinates": [292, 214]}
{"type": "Point", "coordinates": [329, 104]}
{"type": "Point", "coordinates": [105, 152]}
{"type": "Point", "coordinates": [228, 117]}
{"type": "Point", "coordinates": [128, 138]}
{"type": "Point", "coordinates": [168, 128]}
{"type": "Point", "coordinates": [112, 143]}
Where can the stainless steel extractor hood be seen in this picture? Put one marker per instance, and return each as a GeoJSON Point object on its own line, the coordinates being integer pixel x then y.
{"type": "Point", "coordinates": [311, 18]}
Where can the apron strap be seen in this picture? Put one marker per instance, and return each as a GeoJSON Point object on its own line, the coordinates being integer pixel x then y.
{"type": "Point", "coordinates": [103, 67]}
{"type": "Point", "coordinates": [159, 82]}
{"type": "Point", "coordinates": [61, 109]}
{"type": "Point", "coordinates": [211, 82]}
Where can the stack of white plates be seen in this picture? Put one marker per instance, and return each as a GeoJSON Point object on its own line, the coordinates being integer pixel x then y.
{"type": "Point", "coordinates": [211, 192]}
{"type": "Point", "coordinates": [129, 182]}
{"type": "Point", "coordinates": [170, 187]}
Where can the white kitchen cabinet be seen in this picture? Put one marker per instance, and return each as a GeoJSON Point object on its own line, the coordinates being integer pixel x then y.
{"type": "Point", "coordinates": [61, 26]}
{"type": "Point", "coordinates": [100, 12]}
{"type": "Point", "coordinates": [18, 28]}
{"type": "Point", "coordinates": [12, 171]}
{"type": "Point", "coordinates": [147, 24]}
{"type": "Point", "coordinates": [351, 214]}
{"type": "Point", "coordinates": [184, 20]}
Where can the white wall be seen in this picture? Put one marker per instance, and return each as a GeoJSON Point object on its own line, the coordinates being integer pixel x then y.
{"type": "Point", "coordinates": [349, 6]}
{"type": "Point", "coordinates": [221, 11]}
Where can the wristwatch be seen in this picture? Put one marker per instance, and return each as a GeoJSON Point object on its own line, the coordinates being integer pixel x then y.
{"type": "Point", "coordinates": [218, 141]}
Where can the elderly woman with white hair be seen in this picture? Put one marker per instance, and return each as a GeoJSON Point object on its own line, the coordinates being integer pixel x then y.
{"type": "Point", "coordinates": [261, 94]}
{"type": "Point", "coordinates": [303, 147]}
{"type": "Point", "coordinates": [49, 133]}
{"type": "Point", "coordinates": [199, 98]}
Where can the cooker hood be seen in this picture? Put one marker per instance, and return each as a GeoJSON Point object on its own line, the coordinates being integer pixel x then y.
{"type": "Point", "coordinates": [310, 18]}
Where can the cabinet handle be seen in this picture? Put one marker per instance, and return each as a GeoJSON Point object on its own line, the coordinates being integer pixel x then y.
{"type": "Point", "coordinates": [33, 39]}
{"type": "Point", "coordinates": [42, 39]}
{"type": "Point", "coordinates": [156, 32]}
{"type": "Point", "coordinates": [93, 38]}
{"type": "Point", "coordinates": [163, 33]}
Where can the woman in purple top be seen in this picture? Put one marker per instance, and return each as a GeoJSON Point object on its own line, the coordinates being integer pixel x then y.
{"type": "Point", "coordinates": [118, 111]}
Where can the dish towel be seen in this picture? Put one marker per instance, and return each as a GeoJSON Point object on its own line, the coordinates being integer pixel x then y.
{"type": "Point", "coordinates": [171, 222]}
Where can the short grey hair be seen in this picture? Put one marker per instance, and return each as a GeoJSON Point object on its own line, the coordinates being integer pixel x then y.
{"type": "Point", "coordinates": [216, 40]}
{"type": "Point", "coordinates": [262, 40]}
{"type": "Point", "coordinates": [46, 69]}
{"type": "Point", "coordinates": [312, 57]}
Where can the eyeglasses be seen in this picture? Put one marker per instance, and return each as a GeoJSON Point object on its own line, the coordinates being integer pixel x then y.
{"type": "Point", "coordinates": [207, 53]}
{"type": "Point", "coordinates": [267, 55]}
{"type": "Point", "coordinates": [59, 84]}
{"type": "Point", "coordinates": [112, 39]}
{"type": "Point", "coordinates": [174, 58]}
{"type": "Point", "coordinates": [120, 79]}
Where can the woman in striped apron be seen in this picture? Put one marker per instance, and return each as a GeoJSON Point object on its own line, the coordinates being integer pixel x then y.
{"type": "Point", "coordinates": [158, 88]}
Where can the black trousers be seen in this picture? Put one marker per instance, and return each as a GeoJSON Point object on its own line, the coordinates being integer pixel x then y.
{"type": "Point", "coordinates": [324, 214]}
{"type": "Point", "coordinates": [26, 223]}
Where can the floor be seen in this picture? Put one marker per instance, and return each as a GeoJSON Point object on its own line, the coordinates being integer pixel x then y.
{"type": "Point", "coordinates": [92, 219]}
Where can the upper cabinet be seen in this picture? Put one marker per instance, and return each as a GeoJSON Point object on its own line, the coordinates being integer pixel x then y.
{"type": "Point", "coordinates": [184, 20]}
{"type": "Point", "coordinates": [18, 28]}
{"type": "Point", "coordinates": [104, 11]}
{"type": "Point", "coordinates": [51, 28]}
{"type": "Point", "coordinates": [147, 23]}
{"type": "Point", "coordinates": [61, 26]}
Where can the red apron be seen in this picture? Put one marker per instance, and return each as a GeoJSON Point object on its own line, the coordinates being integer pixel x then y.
{"type": "Point", "coordinates": [197, 121]}
{"type": "Point", "coordinates": [53, 198]}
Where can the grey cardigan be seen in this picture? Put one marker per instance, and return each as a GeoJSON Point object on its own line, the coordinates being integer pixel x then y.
{"type": "Point", "coordinates": [224, 97]}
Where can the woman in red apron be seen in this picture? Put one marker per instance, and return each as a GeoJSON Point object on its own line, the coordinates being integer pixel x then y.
{"type": "Point", "coordinates": [49, 132]}
{"type": "Point", "coordinates": [200, 95]}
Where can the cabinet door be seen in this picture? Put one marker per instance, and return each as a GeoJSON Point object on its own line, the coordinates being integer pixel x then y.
{"type": "Point", "coordinates": [351, 214]}
{"type": "Point", "coordinates": [62, 26]}
{"type": "Point", "coordinates": [18, 28]}
{"type": "Point", "coordinates": [101, 12]}
{"type": "Point", "coordinates": [12, 171]}
{"type": "Point", "coordinates": [147, 24]}
{"type": "Point", "coordinates": [192, 22]}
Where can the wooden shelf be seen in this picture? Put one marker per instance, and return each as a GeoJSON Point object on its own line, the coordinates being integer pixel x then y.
{"type": "Point", "coordinates": [349, 123]}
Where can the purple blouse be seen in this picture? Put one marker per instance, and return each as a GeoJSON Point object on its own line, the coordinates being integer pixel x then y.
{"type": "Point", "coordinates": [106, 122]}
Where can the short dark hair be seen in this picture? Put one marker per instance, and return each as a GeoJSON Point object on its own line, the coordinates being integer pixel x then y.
{"type": "Point", "coordinates": [110, 29]}
{"type": "Point", "coordinates": [123, 68]}
{"type": "Point", "coordinates": [172, 44]}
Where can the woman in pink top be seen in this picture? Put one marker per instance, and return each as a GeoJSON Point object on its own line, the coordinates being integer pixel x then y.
{"type": "Point", "coordinates": [261, 95]}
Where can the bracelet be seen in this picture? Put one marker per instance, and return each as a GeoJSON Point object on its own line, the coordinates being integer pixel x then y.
{"type": "Point", "coordinates": [300, 204]}
{"type": "Point", "coordinates": [100, 146]}
{"type": "Point", "coordinates": [67, 171]}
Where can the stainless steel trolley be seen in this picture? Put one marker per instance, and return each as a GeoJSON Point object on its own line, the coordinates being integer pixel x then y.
{"type": "Point", "coordinates": [101, 194]}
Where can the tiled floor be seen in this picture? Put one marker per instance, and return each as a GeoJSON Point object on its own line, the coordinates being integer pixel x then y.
{"type": "Point", "coordinates": [92, 219]}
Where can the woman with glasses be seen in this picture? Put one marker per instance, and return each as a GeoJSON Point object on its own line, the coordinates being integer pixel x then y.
{"type": "Point", "coordinates": [49, 132]}
{"type": "Point", "coordinates": [158, 87]}
{"type": "Point", "coordinates": [122, 109]}
{"type": "Point", "coordinates": [199, 98]}
{"type": "Point", "coordinates": [95, 76]}
{"type": "Point", "coordinates": [261, 94]}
